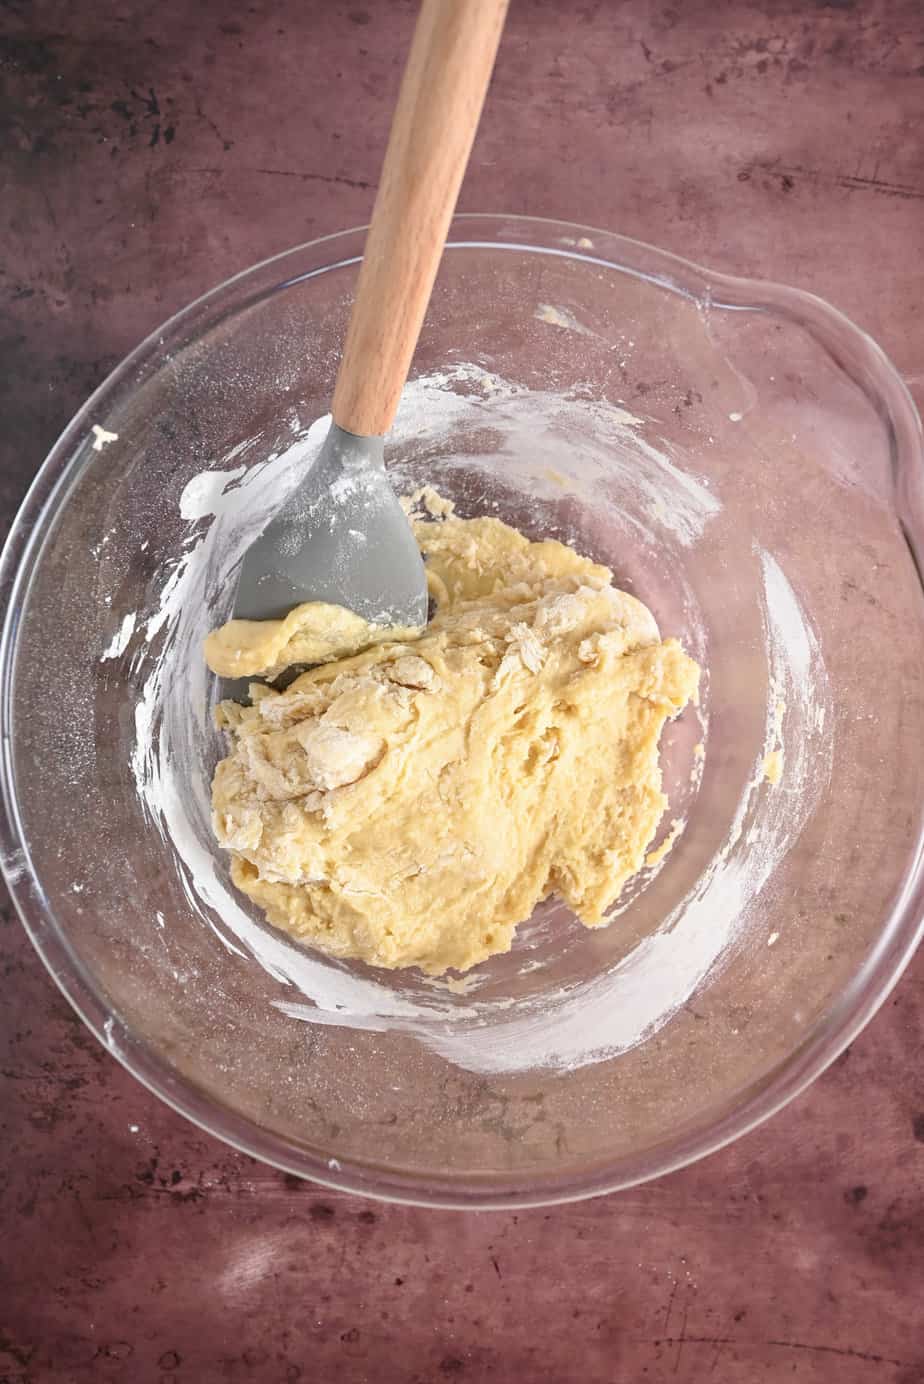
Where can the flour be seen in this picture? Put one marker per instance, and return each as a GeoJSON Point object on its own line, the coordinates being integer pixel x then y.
{"type": "Point", "coordinates": [542, 445]}
{"type": "Point", "coordinates": [561, 317]}
{"type": "Point", "coordinates": [102, 437]}
{"type": "Point", "coordinates": [121, 639]}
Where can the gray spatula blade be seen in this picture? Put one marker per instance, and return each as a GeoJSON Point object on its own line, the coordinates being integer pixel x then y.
{"type": "Point", "coordinates": [341, 537]}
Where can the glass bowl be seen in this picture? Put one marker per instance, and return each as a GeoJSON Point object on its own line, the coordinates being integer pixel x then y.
{"type": "Point", "coordinates": [746, 461]}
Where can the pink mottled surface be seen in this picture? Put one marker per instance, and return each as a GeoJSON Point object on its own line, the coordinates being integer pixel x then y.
{"type": "Point", "coordinates": [149, 151]}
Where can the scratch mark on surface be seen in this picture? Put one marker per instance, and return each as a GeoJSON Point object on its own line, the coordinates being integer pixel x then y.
{"type": "Point", "coordinates": [871, 1357]}
{"type": "Point", "coordinates": [225, 143]}
{"type": "Point", "coordinates": [682, 1338]}
{"type": "Point", "coordinates": [848, 1351]}
{"type": "Point", "coordinates": [670, 1304]}
{"type": "Point", "coordinates": [213, 171]}
{"type": "Point", "coordinates": [315, 177]}
{"type": "Point", "coordinates": [852, 182]}
{"type": "Point", "coordinates": [48, 207]}
{"type": "Point", "coordinates": [881, 186]}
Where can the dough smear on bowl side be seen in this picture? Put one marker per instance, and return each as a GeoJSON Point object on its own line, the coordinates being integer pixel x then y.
{"type": "Point", "coordinates": [410, 801]}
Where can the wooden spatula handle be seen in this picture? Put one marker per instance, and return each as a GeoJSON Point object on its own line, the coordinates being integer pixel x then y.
{"type": "Point", "coordinates": [441, 97]}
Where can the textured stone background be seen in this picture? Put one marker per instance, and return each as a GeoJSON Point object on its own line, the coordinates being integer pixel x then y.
{"type": "Point", "coordinates": [147, 152]}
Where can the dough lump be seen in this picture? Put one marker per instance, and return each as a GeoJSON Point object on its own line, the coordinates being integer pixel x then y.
{"type": "Point", "coordinates": [409, 805]}
{"type": "Point", "coordinates": [311, 633]}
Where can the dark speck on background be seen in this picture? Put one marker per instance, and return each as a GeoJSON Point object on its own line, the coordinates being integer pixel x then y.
{"type": "Point", "coordinates": [320, 1211]}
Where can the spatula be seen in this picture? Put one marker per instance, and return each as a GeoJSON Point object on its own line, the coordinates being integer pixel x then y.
{"type": "Point", "coordinates": [342, 536]}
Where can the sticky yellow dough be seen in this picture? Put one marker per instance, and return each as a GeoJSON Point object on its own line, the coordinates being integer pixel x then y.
{"type": "Point", "coordinates": [311, 633]}
{"type": "Point", "coordinates": [411, 805]}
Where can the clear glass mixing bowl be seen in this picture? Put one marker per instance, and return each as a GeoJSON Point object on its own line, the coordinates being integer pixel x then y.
{"type": "Point", "coordinates": [748, 463]}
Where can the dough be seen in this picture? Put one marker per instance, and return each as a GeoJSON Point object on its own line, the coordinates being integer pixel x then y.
{"type": "Point", "coordinates": [411, 804]}
{"type": "Point", "coordinates": [311, 633]}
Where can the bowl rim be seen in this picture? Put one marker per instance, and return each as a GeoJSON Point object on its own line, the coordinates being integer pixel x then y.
{"type": "Point", "coordinates": [874, 374]}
